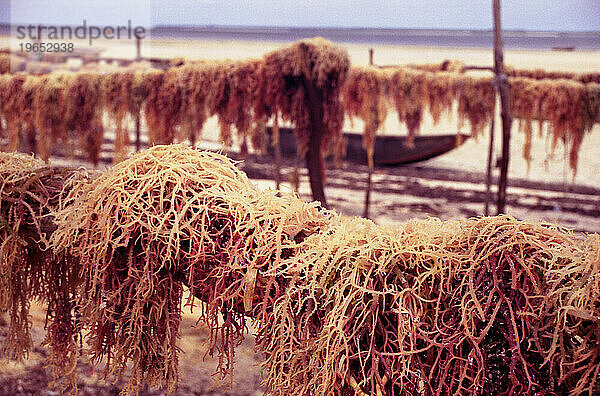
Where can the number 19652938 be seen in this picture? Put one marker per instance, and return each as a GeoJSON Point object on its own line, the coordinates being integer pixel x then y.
{"type": "Point", "coordinates": [46, 47]}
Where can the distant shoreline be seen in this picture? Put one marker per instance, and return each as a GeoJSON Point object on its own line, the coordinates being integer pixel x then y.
{"type": "Point", "coordinates": [412, 37]}
{"type": "Point", "coordinates": [513, 39]}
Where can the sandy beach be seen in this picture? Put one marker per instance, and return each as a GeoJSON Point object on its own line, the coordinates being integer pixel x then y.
{"type": "Point", "coordinates": [470, 158]}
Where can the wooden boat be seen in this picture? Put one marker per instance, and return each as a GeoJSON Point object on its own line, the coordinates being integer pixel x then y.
{"type": "Point", "coordinates": [566, 48]}
{"type": "Point", "coordinates": [389, 150]}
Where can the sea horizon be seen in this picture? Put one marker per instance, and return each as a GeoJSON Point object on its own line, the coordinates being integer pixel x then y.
{"type": "Point", "coordinates": [475, 38]}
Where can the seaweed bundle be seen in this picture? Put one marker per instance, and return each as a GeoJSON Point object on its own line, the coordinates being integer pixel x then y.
{"type": "Point", "coordinates": [562, 106]}
{"type": "Point", "coordinates": [166, 216]}
{"type": "Point", "coordinates": [83, 113]}
{"type": "Point", "coordinates": [10, 63]}
{"type": "Point", "coordinates": [541, 74]}
{"type": "Point", "coordinates": [12, 99]}
{"type": "Point", "coordinates": [49, 106]}
{"type": "Point", "coordinates": [476, 102]}
{"type": "Point", "coordinates": [341, 306]}
{"type": "Point", "coordinates": [287, 79]}
{"type": "Point", "coordinates": [440, 93]}
{"type": "Point", "coordinates": [467, 307]}
{"type": "Point", "coordinates": [408, 90]}
{"type": "Point", "coordinates": [238, 109]}
{"type": "Point", "coordinates": [234, 91]}
{"type": "Point", "coordinates": [448, 65]}
{"type": "Point", "coordinates": [163, 105]}
{"type": "Point", "coordinates": [571, 109]}
{"type": "Point", "coordinates": [29, 192]}
{"type": "Point", "coordinates": [591, 105]}
{"type": "Point", "coordinates": [196, 80]}
{"type": "Point", "coordinates": [525, 103]}
{"type": "Point", "coordinates": [116, 90]}
{"type": "Point", "coordinates": [363, 96]}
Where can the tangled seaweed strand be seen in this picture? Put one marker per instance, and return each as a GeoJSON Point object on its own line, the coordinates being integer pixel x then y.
{"type": "Point", "coordinates": [29, 191]}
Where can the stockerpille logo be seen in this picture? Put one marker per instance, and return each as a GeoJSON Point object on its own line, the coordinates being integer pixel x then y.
{"type": "Point", "coordinates": [84, 31]}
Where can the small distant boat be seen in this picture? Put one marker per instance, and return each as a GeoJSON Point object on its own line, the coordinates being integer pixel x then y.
{"type": "Point", "coordinates": [389, 150]}
{"type": "Point", "coordinates": [567, 48]}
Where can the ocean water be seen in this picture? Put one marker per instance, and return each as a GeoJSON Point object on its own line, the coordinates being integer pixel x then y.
{"type": "Point", "coordinates": [404, 37]}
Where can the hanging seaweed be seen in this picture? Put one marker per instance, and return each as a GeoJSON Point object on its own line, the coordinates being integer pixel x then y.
{"type": "Point", "coordinates": [525, 103]}
{"type": "Point", "coordinates": [29, 192]}
{"type": "Point", "coordinates": [116, 88]}
{"type": "Point", "coordinates": [234, 92]}
{"type": "Point", "coordinates": [191, 216]}
{"type": "Point", "coordinates": [196, 81]}
{"type": "Point", "coordinates": [448, 65]}
{"type": "Point", "coordinates": [10, 63]}
{"type": "Point", "coordinates": [591, 105]}
{"type": "Point", "coordinates": [284, 77]}
{"type": "Point", "coordinates": [408, 90]}
{"type": "Point", "coordinates": [363, 96]}
{"type": "Point", "coordinates": [244, 86]}
{"type": "Point", "coordinates": [12, 100]}
{"type": "Point", "coordinates": [476, 102]}
{"type": "Point", "coordinates": [163, 105]}
{"type": "Point", "coordinates": [83, 114]}
{"type": "Point", "coordinates": [540, 74]}
{"type": "Point", "coordinates": [562, 105]}
{"type": "Point", "coordinates": [440, 94]}
{"type": "Point", "coordinates": [49, 107]}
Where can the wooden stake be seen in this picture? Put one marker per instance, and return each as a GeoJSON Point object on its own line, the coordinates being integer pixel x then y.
{"type": "Point", "coordinates": [368, 193]}
{"type": "Point", "coordinates": [277, 147]}
{"type": "Point", "coordinates": [137, 133]}
{"type": "Point", "coordinates": [369, 162]}
{"type": "Point", "coordinates": [502, 83]}
{"type": "Point", "coordinates": [138, 48]}
{"type": "Point", "coordinates": [488, 181]}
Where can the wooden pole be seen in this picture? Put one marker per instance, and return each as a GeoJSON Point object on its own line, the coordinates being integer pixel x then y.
{"type": "Point", "coordinates": [488, 181]}
{"type": "Point", "coordinates": [502, 86]}
{"type": "Point", "coordinates": [138, 48]}
{"type": "Point", "coordinates": [277, 147]}
{"type": "Point", "coordinates": [314, 158]}
{"type": "Point", "coordinates": [368, 191]}
{"type": "Point", "coordinates": [137, 133]}
{"type": "Point", "coordinates": [370, 164]}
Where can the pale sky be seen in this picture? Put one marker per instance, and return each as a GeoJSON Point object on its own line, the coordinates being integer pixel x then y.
{"type": "Point", "coordinates": [561, 15]}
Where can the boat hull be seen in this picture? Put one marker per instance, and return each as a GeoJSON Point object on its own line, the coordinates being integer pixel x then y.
{"type": "Point", "coordinates": [389, 150]}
